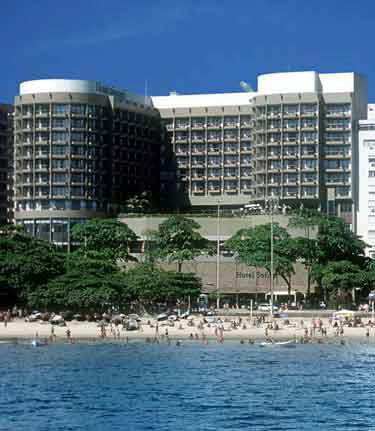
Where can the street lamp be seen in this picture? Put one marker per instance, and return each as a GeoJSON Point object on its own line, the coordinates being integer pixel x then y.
{"type": "Point", "coordinates": [272, 203]}
{"type": "Point", "coordinates": [218, 255]}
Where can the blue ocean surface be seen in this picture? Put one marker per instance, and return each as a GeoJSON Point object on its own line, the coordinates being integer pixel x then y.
{"type": "Point", "coordinates": [139, 386]}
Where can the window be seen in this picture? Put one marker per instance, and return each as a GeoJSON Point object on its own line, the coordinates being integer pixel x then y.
{"type": "Point", "coordinates": [59, 190]}
{"type": "Point", "coordinates": [59, 164]}
{"type": "Point", "coordinates": [42, 109]}
{"type": "Point", "coordinates": [78, 109]}
{"type": "Point", "coordinates": [346, 207]}
{"type": "Point", "coordinates": [78, 177]}
{"type": "Point", "coordinates": [78, 136]}
{"type": "Point", "coordinates": [60, 150]}
{"type": "Point", "coordinates": [60, 109]}
{"type": "Point", "coordinates": [59, 177]}
{"type": "Point", "coordinates": [78, 123]}
{"type": "Point", "coordinates": [60, 122]}
{"type": "Point", "coordinates": [60, 136]}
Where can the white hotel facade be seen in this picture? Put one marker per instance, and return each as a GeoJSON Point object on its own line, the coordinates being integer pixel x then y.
{"type": "Point", "coordinates": [295, 138]}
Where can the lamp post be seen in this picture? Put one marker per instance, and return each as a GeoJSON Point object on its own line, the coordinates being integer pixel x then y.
{"type": "Point", "coordinates": [272, 203]}
{"type": "Point", "coordinates": [218, 255]}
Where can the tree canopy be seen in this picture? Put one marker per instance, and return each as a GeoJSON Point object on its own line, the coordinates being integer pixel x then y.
{"type": "Point", "coordinates": [107, 237]}
{"type": "Point", "coordinates": [253, 247]}
{"type": "Point", "coordinates": [177, 240]}
{"type": "Point", "coordinates": [26, 262]}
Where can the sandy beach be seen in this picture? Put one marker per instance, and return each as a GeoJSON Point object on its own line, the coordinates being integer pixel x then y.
{"type": "Point", "coordinates": [19, 329]}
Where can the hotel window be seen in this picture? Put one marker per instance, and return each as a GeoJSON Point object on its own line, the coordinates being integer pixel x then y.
{"type": "Point", "coordinates": [274, 137]}
{"type": "Point", "coordinates": [308, 108]}
{"type": "Point", "coordinates": [290, 109]}
{"type": "Point", "coordinates": [290, 124]}
{"type": "Point", "coordinates": [274, 124]}
{"type": "Point", "coordinates": [198, 122]}
{"type": "Point", "coordinates": [59, 177]}
{"type": "Point", "coordinates": [60, 150]}
{"type": "Point", "coordinates": [78, 123]}
{"type": "Point", "coordinates": [290, 137]}
{"type": "Point", "coordinates": [42, 123]}
{"type": "Point", "coordinates": [230, 185]}
{"type": "Point", "coordinates": [77, 191]}
{"type": "Point", "coordinates": [342, 191]}
{"type": "Point", "coordinates": [41, 136]}
{"type": "Point", "coordinates": [230, 135]}
{"type": "Point", "coordinates": [308, 164]}
{"type": "Point", "coordinates": [42, 109]}
{"type": "Point", "coordinates": [230, 121]}
{"type": "Point", "coordinates": [181, 123]}
{"type": "Point", "coordinates": [245, 121]}
{"type": "Point", "coordinates": [78, 177]}
{"type": "Point", "coordinates": [273, 110]}
{"type": "Point", "coordinates": [59, 190]}
{"type": "Point", "coordinates": [41, 150]}
{"type": "Point", "coordinates": [59, 164]}
{"type": "Point", "coordinates": [78, 150]}
{"type": "Point", "coordinates": [181, 136]}
{"type": "Point", "coordinates": [60, 136]}
{"type": "Point", "coordinates": [346, 207]}
{"type": "Point", "coordinates": [60, 109]}
{"type": "Point", "coordinates": [214, 136]}
{"type": "Point", "coordinates": [27, 109]}
{"type": "Point", "coordinates": [60, 122]}
{"type": "Point", "coordinates": [212, 172]}
{"type": "Point", "coordinates": [308, 191]}
{"type": "Point", "coordinates": [308, 177]}
{"type": "Point", "coordinates": [78, 136]}
{"type": "Point", "coordinates": [78, 109]}
{"type": "Point", "coordinates": [214, 121]}
{"type": "Point", "coordinates": [308, 123]}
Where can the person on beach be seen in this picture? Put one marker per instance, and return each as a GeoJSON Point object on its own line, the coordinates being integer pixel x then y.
{"type": "Point", "coordinates": [68, 334]}
{"type": "Point", "coordinates": [367, 332]}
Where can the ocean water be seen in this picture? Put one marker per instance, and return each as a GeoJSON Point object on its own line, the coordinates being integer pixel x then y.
{"type": "Point", "coordinates": [137, 386]}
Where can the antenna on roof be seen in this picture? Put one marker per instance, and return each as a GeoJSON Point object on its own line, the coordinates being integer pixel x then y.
{"type": "Point", "coordinates": [246, 87]}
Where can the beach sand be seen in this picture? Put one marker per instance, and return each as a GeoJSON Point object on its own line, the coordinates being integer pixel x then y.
{"type": "Point", "coordinates": [19, 329]}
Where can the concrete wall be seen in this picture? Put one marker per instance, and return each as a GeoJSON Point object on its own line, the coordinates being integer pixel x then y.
{"type": "Point", "coordinates": [228, 225]}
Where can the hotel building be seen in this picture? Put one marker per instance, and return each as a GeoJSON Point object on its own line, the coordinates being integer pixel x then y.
{"type": "Point", "coordinates": [295, 138]}
{"type": "Point", "coordinates": [6, 137]}
{"type": "Point", "coordinates": [80, 150]}
{"type": "Point", "coordinates": [366, 184]}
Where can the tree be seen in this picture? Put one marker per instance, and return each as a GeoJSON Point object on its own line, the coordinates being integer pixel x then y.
{"type": "Point", "coordinates": [87, 285]}
{"type": "Point", "coordinates": [106, 237]}
{"type": "Point", "coordinates": [26, 262]}
{"type": "Point", "coordinates": [151, 285]}
{"type": "Point", "coordinates": [253, 247]}
{"type": "Point", "coordinates": [307, 219]}
{"type": "Point", "coordinates": [335, 242]}
{"type": "Point", "coordinates": [341, 277]}
{"type": "Point", "coordinates": [177, 240]}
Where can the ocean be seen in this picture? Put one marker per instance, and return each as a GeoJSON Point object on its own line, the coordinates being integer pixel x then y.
{"type": "Point", "coordinates": [138, 386]}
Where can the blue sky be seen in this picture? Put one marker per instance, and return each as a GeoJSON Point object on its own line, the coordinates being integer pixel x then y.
{"type": "Point", "coordinates": [189, 45]}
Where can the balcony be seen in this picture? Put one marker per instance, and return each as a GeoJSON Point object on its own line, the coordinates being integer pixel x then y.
{"type": "Point", "coordinates": [291, 114]}
{"type": "Point", "coordinates": [310, 114]}
{"type": "Point", "coordinates": [340, 114]}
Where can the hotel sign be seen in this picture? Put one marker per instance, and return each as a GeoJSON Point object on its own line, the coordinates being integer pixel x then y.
{"type": "Point", "coordinates": [252, 275]}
